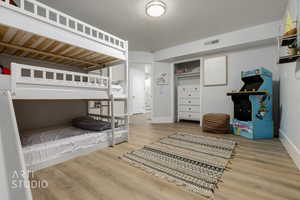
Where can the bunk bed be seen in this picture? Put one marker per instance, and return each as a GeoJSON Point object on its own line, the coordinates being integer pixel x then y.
{"type": "Point", "coordinates": [37, 83]}
{"type": "Point", "coordinates": [30, 29]}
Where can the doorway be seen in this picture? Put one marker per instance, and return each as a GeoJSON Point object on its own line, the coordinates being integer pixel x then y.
{"type": "Point", "coordinates": [188, 91]}
{"type": "Point", "coordinates": [140, 88]}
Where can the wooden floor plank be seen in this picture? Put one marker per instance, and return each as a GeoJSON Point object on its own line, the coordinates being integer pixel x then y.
{"type": "Point", "coordinates": [260, 170]}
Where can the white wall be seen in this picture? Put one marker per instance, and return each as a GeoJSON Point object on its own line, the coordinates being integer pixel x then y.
{"type": "Point", "coordinates": [251, 55]}
{"type": "Point", "coordinates": [140, 57]}
{"type": "Point", "coordinates": [290, 101]}
{"type": "Point", "coordinates": [215, 99]}
{"type": "Point", "coordinates": [261, 34]}
{"type": "Point", "coordinates": [162, 111]}
{"type": "Point", "coordinates": [40, 114]}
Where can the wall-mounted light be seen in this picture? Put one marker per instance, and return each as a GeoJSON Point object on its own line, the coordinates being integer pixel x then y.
{"type": "Point", "coordinates": [156, 8]}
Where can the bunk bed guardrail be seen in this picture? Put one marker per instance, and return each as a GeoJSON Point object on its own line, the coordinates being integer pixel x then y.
{"type": "Point", "coordinates": [26, 74]}
{"type": "Point", "coordinates": [52, 16]}
{"type": "Point", "coordinates": [119, 120]}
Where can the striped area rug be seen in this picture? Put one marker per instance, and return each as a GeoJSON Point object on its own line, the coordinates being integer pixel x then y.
{"type": "Point", "coordinates": [195, 162]}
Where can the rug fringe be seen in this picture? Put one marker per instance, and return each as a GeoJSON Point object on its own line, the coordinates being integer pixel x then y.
{"type": "Point", "coordinates": [183, 185]}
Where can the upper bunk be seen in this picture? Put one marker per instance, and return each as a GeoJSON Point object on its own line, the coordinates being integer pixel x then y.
{"type": "Point", "coordinates": [28, 82]}
{"type": "Point", "coordinates": [31, 29]}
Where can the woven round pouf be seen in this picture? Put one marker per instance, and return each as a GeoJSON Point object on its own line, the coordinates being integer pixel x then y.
{"type": "Point", "coordinates": [216, 123]}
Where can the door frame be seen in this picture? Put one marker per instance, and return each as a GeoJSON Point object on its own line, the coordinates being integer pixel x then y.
{"type": "Point", "coordinates": [173, 77]}
{"type": "Point", "coordinates": [130, 92]}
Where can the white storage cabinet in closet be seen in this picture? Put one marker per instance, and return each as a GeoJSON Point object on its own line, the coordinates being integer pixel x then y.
{"type": "Point", "coordinates": [189, 102]}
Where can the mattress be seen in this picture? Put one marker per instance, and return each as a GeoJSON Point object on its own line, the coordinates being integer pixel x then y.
{"type": "Point", "coordinates": [49, 144]}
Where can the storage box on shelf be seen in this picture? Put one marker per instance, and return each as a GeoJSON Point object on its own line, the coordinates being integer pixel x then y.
{"type": "Point", "coordinates": [187, 68]}
{"type": "Point", "coordinates": [288, 50]}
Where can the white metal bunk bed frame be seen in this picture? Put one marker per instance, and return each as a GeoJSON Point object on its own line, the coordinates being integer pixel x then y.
{"type": "Point", "coordinates": [26, 80]}
{"type": "Point", "coordinates": [10, 87]}
{"type": "Point", "coordinates": [37, 83]}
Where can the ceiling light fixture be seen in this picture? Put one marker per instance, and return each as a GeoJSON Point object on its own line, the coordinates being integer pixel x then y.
{"type": "Point", "coordinates": [156, 8]}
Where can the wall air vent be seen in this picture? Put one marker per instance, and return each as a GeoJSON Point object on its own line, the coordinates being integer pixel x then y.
{"type": "Point", "coordinates": [211, 42]}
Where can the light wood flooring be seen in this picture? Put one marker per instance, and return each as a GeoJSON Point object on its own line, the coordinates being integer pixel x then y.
{"type": "Point", "coordinates": [260, 170]}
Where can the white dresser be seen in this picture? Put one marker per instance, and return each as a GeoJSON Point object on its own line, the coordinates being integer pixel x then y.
{"type": "Point", "coordinates": [188, 102]}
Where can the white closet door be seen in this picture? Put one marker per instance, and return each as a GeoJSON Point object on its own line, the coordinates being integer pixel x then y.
{"type": "Point", "coordinates": [137, 86]}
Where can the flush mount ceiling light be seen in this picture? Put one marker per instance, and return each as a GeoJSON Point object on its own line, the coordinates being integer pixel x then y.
{"type": "Point", "coordinates": [156, 8]}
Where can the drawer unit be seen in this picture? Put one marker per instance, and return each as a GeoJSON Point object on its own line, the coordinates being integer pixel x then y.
{"type": "Point", "coordinates": [189, 102]}
{"type": "Point", "coordinates": [191, 95]}
{"type": "Point", "coordinates": [189, 116]}
{"type": "Point", "coordinates": [189, 91]}
{"type": "Point", "coordinates": [193, 109]}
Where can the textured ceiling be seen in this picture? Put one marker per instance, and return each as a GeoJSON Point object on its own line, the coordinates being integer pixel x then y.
{"type": "Point", "coordinates": [185, 21]}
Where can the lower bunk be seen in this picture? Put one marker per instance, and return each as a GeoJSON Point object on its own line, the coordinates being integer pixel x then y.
{"type": "Point", "coordinates": [46, 147]}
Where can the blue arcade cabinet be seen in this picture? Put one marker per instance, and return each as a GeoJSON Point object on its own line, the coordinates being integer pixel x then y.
{"type": "Point", "coordinates": [253, 105]}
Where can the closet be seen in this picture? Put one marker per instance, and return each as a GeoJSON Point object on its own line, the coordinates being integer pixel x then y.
{"type": "Point", "coordinates": [187, 90]}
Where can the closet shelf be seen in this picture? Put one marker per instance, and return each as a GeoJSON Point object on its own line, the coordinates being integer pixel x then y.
{"type": "Point", "coordinates": [188, 74]}
{"type": "Point", "coordinates": [288, 59]}
{"type": "Point", "coordinates": [287, 40]}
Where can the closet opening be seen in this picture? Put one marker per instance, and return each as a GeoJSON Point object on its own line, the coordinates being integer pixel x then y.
{"type": "Point", "coordinates": [187, 91]}
{"type": "Point", "coordinates": [140, 93]}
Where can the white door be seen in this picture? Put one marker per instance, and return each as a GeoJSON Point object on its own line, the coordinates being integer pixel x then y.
{"type": "Point", "coordinates": [148, 94]}
{"type": "Point", "coordinates": [137, 88]}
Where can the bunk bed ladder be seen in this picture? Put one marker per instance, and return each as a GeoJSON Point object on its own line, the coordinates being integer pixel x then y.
{"type": "Point", "coordinates": [111, 107]}
{"type": "Point", "coordinates": [126, 105]}
{"type": "Point", "coordinates": [12, 168]}
{"type": "Point", "coordinates": [112, 100]}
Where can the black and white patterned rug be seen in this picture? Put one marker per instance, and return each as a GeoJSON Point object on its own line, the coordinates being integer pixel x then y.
{"type": "Point", "coordinates": [195, 162]}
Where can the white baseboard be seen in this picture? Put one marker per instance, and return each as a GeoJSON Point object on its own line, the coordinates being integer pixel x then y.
{"type": "Point", "coordinates": [162, 120]}
{"type": "Point", "coordinates": [291, 148]}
